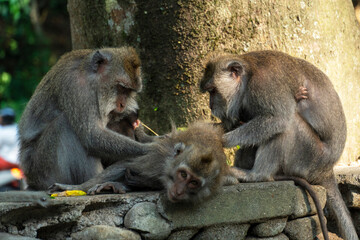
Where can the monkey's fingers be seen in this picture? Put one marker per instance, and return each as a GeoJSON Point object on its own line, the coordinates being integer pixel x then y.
{"type": "Point", "coordinates": [229, 180]}
{"type": "Point", "coordinates": [58, 187]}
{"type": "Point", "coordinates": [239, 174]}
{"type": "Point", "coordinates": [136, 124]}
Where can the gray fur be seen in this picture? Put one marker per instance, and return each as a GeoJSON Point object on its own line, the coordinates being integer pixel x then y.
{"type": "Point", "coordinates": [63, 132]}
{"type": "Point", "coordinates": [277, 134]}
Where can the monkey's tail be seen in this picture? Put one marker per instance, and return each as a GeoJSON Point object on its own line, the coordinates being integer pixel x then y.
{"type": "Point", "coordinates": [339, 209]}
{"type": "Point", "coordinates": [305, 185]}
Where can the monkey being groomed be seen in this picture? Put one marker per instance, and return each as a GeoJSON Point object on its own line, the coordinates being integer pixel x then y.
{"type": "Point", "coordinates": [62, 132]}
{"type": "Point", "coordinates": [253, 95]}
{"type": "Point", "coordinates": [190, 165]}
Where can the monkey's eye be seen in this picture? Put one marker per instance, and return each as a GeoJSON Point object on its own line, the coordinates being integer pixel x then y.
{"type": "Point", "coordinates": [183, 174]}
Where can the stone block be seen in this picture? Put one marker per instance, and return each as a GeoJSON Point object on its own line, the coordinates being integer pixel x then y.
{"type": "Point", "coordinates": [185, 234]}
{"type": "Point", "coordinates": [270, 228]}
{"type": "Point", "coordinates": [100, 232]}
{"type": "Point", "coordinates": [224, 232]}
{"type": "Point", "coordinates": [304, 205]}
{"type": "Point", "coordinates": [241, 203]}
{"type": "Point", "coordinates": [281, 236]}
{"type": "Point", "coordinates": [303, 228]}
{"type": "Point", "coordinates": [144, 217]}
{"type": "Point", "coordinates": [7, 236]}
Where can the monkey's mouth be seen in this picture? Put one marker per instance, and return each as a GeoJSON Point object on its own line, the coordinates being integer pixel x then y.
{"type": "Point", "coordinates": [171, 196]}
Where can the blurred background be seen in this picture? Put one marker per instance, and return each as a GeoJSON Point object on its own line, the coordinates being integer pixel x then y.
{"type": "Point", "coordinates": [33, 35]}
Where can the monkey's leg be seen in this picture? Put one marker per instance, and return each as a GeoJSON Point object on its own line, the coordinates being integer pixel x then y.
{"type": "Point", "coordinates": [115, 187]}
{"type": "Point", "coordinates": [339, 208]}
{"type": "Point", "coordinates": [114, 173]}
{"type": "Point", "coordinates": [137, 181]}
{"type": "Point", "coordinates": [268, 158]}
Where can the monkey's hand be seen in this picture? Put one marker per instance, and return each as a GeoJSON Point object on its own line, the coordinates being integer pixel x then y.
{"type": "Point", "coordinates": [58, 187]}
{"type": "Point", "coordinates": [301, 94]}
{"type": "Point", "coordinates": [115, 187]}
{"type": "Point", "coordinates": [229, 180]}
{"type": "Point", "coordinates": [240, 174]}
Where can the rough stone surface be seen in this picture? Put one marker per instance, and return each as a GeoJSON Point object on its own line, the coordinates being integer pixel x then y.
{"type": "Point", "coordinates": [235, 204]}
{"type": "Point", "coordinates": [64, 216]}
{"type": "Point", "coordinates": [270, 228]}
{"type": "Point", "coordinates": [183, 234]}
{"type": "Point", "coordinates": [241, 204]}
{"type": "Point", "coordinates": [145, 218]}
{"type": "Point", "coordinates": [101, 232]}
{"type": "Point", "coordinates": [281, 236]}
{"type": "Point", "coordinates": [303, 228]}
{"type": "Point", "coordinates": [7, 236]}
{"type": "Point", "coordinates": [349, 185]}
{"type": "Point", "coordinates": [225, 232]}
{"type": "Point", "coordinates": [305, 205]}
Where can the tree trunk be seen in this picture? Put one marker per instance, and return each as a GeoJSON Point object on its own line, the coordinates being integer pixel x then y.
{"type": "Point", "coordinates": [174, 37]}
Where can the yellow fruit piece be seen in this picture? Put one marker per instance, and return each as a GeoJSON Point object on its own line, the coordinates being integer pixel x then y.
{"type": "Point", "coordinates": [68, 193]}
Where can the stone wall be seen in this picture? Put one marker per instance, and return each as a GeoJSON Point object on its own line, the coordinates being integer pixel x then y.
{"type": "Point", "coordinates": [271, 210]}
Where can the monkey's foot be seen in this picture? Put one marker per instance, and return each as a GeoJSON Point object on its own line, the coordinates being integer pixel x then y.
{"type": "Point", "coordinates": [58, 187]}
{"type": "Point", "coordinates": [115, 187]}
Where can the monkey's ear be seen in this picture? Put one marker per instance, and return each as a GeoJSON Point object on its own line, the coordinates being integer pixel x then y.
{"type": "Point", "coordinates": [98, 60]}
{"type": "Point", "coordinates": [178, 148]}
{"type": "Point", "coordinates": [235, 68]}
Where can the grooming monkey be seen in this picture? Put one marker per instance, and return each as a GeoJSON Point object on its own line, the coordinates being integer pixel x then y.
{"type": "Point", "coordinates": [280, 135]}
{"type": "Point", "coordinates": [63, 132]}
{"type": "Point", "coordinates": [190, 165]}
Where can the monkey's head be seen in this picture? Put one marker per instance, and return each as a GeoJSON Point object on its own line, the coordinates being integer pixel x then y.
{"type": "Point", "coordinates": [197, 170]}
{"type": "Point", "coordinates": [225, 79]}
{"type": "Point", "coordinates": [117, 72]}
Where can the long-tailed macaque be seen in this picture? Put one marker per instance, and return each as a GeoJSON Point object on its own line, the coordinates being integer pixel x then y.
{"type": "Point", "coordinates": [190, 165]}
{"type": "Point", "coordinates": [63, 132]}
{"type": "Point", "coordinates": [253, 95]}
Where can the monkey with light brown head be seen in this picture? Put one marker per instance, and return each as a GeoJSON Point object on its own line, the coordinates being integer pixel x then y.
{"type": "Point", "coordinates": [191, 165]}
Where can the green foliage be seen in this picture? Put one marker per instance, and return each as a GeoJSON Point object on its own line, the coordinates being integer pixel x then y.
{"type": "Point", "coordinates": [24, 55]}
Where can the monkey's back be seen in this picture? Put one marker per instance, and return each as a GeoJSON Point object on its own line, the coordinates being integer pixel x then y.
{"type": "Point", "coordinates": [322, 110]}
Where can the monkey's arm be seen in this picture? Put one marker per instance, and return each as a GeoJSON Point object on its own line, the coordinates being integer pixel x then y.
{"type": "Point", "coordinates": [256, 131]}
{"type": "Point", "coordinates": [105, 143]}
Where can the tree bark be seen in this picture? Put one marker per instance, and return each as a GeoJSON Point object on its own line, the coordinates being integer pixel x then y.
{"type": "Point", "coordinates": [174, 37]}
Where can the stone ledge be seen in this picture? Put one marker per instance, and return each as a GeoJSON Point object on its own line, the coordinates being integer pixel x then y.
{"type": "Point", "coordinates": [246, 203]}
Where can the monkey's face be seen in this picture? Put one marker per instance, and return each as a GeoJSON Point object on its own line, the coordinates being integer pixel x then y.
{"type": "Point", "coordinates": [119, 75]}
{"type": "Point", "coordinates": [223, 80]}
{"type": "Point", "coordinates": [192, 176]}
